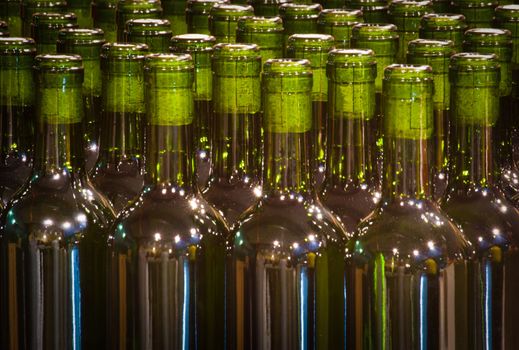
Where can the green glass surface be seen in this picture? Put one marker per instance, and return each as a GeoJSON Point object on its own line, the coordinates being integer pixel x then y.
{"type": "Point", "coordinates": [407, 255]}
{"type": "Point", "coordinates": [507, 17]}
{"type": "Point", "coordinates": [46, 26]}
{"type": "Point", "coordinates": [103, 14]}
{"type": "Point", "coordinates": [373, 11]}
{"type": "Point", "coordinates": [288, 247]}
{"type": "Point", "coordinates": [10, 14]}
{"type": "Point", "coordinates": [478, 14]}
{"type": "Point", "coordinates": [351, 188]}
{"type": "Point", "coordinates": [155, 33]}
{"type": "Point", "coordinates": [197, 15]}
{"type": "Point", "coordinates": [30, 7]}
{"type": "Point", "coordinates": [475, 203]}
{"type": "Point", "coordinates": [170, 238]}
{"type": "Point", "coordinates": [266, 32]}
{"type": "Point", "coordinates": [444, 26]}
{"type": "Point", "coordinates": [175, 13]}
{"type": "Point", "coordinates": [54, 233]}
{"type": "Point", "coordinates": [299, 18]}
{"type": "Point", "coordinates": [135, 9]}
{"type": "Point", "coordinates": [267, 8]}
{"type": "Point", "coordinates": [223, 20]}
{"type": "Point", "coordinates": [339, 23]}
{"type": "Point", "coordinates": [82, 9]}
{"type": "Point", "coordinates": [118, 172]}
{"type": "Point", "coordinates": [236, 137]}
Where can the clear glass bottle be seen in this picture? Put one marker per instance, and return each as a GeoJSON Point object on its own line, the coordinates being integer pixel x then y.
{"type": "Point", "coordinates": [339, 23]}
{"type": "Point", "coordinates": [223, 20]}
{"type": "Point", "coordinates": [478, 206]}
{"type": "Point", "coordinates": [315, 48]}
{"type": "Point", "coordinates": [155, 33]}
{"type": "Point", "coordinates": [16, 114]}
{"type": "Point", "coordinates": [118, 172]}
{"type": "Point", "coordinates": [53, 234]}
{"type": "Point", "coordinates": [167, 250]}
{"type": "Point", "coordinates": [87, 43]}
{"type": "Point", "coordinates": [266, 32]}
{"type": "Point", "coordinates": [234, 184]}
{"type": "Point", "coordinates": [46, 26]}
{"type": "Point", "coordinates": [285, 267]}
{"type": "Point", "coordinates": [197, 15]}
{"type": "Point", "coordinates": [444, 26]}
{"type": "Point", "coordinates": [351, 188]}
{"type": "Point", "coordinates": [134, 9]}
{"type": "Point", "coordinates": [437, 53]}
{"type": "Point", "coordinates": [406, 16]}
{"type": "Point", "coordinates": [408, 260]}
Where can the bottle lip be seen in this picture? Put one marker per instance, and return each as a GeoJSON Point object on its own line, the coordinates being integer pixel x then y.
{"type": "Point", "coordinates": [81, 36]}
{"type": "Point", "coordinates": [351, 58]}
{"type": "Point", "coordinates": [487, 37]}
{"type": "Point", "coordinates": [508, 13]}
{"type": "Point", "coordinates": [431, 48]}
{"type": "Point", "coordinates": [54, 20]}
{"type": "Point", "coordinates": [123, 51]}
{"type": "Point", "coordinates": [45, 4]}
{"type": "Point", "coordinates": [475, 4]}
{"type": "Point", "coordinates": [149, 27]}
{"type": "Point", "coordinates": [339, 17]}
{"type": "Point", "coordinates": [58, 63]}
{"type": "Point", "coordinates": [203, 6]}
{"type": "Point", "coordinates": [281, 67]}
{"type": "Point", "coordinates": [17, 46]}
{"type": "Point", "coordinates": [408, 8]}
{"type": "Point", "coordinates": [258, 24]}
{"type": "Point", "coordinates": [408, 73]}
{"type": "Point", "coordinates": [295, 11]}
{"type": "Point", "coordinates": [236, 52]}
{"type": "Point", "coordinates": [227, 10]}
{"type": "Point", "coordinates": [192, 42]}
{"type": "Point", "coordinates": [137, 6]}
{"type": "Point", "coordinates": [375, 31]}
{"type": "Point", "coordinates": [473, 62]}
{"type": "Point", "coordinates": [310, 42]}
{"type": "Point", "coordinates": [443, 21]}
{"type": "Point", "coordinates": [168, 62]}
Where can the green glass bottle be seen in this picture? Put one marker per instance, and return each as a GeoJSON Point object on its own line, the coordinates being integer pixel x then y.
{"type": "Point", "coordinates": [408, 260]}
{"type": "Point", "coordinates": [478, 13]}
{"type": "Point", "coordinates": [441, 6]}
{"type": "Point", "coordinates": [4, 29]}
{"type": "Point", "coordinates": [53, 234]}
{"type": "Point", "coordinates": [10, 13]}
{"type": "Point", "coordinates": [437, 53]}
{"type": "Point", "coordinates": [351, 189]}
{"type": "Point", "coordinates": [167, 250]}
{"type": "Point", "coordinates": [299, 19]}
{"type": "Point", "coordinates": [223, 20]}
{"type": "Point", "coordinates": [236, 130]}
{"type": "Point", "coordinates": [444, 26]}
{"type": "Point", "coordinates": [16, 114]}
{"type": "Point", "coordinates": [45, 29]}
{"type": "Point", "coordinates": [267, 8]}
{"type": "Point", "coordinates": [474, 202]}
{"type": "Point", "coordinates": [286, 266]}
{"type": "Point", "coordinates": [373, 11]}
{"type": "Point", "coordinates": [175, 13]}
{"type": "Point", "coordinates": [507, 17]}
{"type": "Point", "coordinates": [406, 16]}
{"type": "Point", "coordinates": [315, 48]}
{"type": "Point", "coordinates": [30, 7]}
{"type": "Point", "coordinates": [87, 43]}
{"type": "Point", "coordinates": [266, 32]}
{"type": "Point", "coordinates": [339, 23]}
{"type": "Point", "coordinates": [83, 11]}
{"type": "Point", "coordinates": [200, 47]}
{"type": "Point", "coordinates": [103, 14]}
{"type": "Point", "coordinates": [135, 9]}
{"type": "Point", "coordinates": [118, 173]}
{"type": "Point", "coordinates": [156, 33]}
{"type": "Point", "coordinates": [197, 15]}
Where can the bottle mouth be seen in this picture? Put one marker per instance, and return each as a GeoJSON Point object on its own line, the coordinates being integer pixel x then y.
{"type": "Point", "coordinates": [345, 58]}
{"type": "Point", "coordinates": [287, 67]}
{"type": "Point", "coordinates": [81, 36]}
{"type": "Point", "coordinates": [123, 51]}
{"type": "Point", "coordinates": [299, 11]}
{"type": "Point", "coordinates": [473, 62]}
{"type": "Point", "coordinates": [254, 24]}
{"type": "Point", "coordinates": [430, 48]}
{"type": "Point", "coordinates": [192, 43]}
{"type": "Point", "coordinates": [340, 17]}
{"type": "Point", "coordinates": [57, 63]}
{"type": "Point", "coordinates": [17, 46]}
{"type": "Point", "coordinates": [375, 32]}
{"type": "Point", "coordinates": [236, 52]}
{"type": "Point", "coordinates": [226, 11]}
{"type": "Point", "coordinates": [406, 8]}
{"type": "Point", "coordinates": [168, 62]}
{"type": "Point", "coordinates": [408, 73]}
{"type": "Point", "coordinates": [507, 13]}
{"type": "Point", "coordinates": [487, 37]}
{"type": "Point", "coordinates": [149, 27]}
{"type": "Point", "coordinates": [310, 42]}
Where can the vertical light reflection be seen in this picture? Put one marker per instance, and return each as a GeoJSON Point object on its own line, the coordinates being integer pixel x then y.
{"type": "Point", "coordinates": [423, 311]}
{"type": "Point", "coordinates": [488, 304]}
{"type": "Point", "coordinates": [185, 307]}
{"type": "Point", "coordinates": [304, 308]}
{"type": "Point", "coordinates": [76, 298]}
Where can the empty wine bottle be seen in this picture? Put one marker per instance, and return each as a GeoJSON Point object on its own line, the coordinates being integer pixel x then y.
{"type": "Point", "coordinates": [83, 11]}
{"type": "Point", "coordinates": [267, 8]}
{"type": "Point", "coordinates": [373, 11]}
{"type": "Point", "coordinates": [351, 189]}
{"type": "Point", "coordinates": [315, 48]}
{"type": "Point", "coordinates": [223, 20]}
{"type": "Point", "coordinates": [444, 26]}
{"type": "Point", "coordinates": [477, 205]}
{"type": "Point", "coordinates": [118, 172]}
{"type": "Point", "coordinates": [437, 53]}
{"type": "Point", "coordinates": [478, 13]}
{"type": "Point", "coordinates": [156, 33]}
{"type": "Point", "coordinates": [46, 26]}
{"type": "Point", "coordinates": [87, 43]}
{"type": "Point", "coordinates": [16, 114]}
{"type": "Point", "coordinates": [197, 15]}
{"type": "Point", "coordinates": [103, 15]}
{"type": "Point", "coordinates": [167, 250]}
{"type": "Point", "coordinates": [10, 13]}
{"type": "Point", "coordinates": [4, 30]}
{"type": "Point", "coordinates": [408, 279]}
{"type": "Point", "coordinates": [200, 47]}
{"type": "Point", "coordinates": [339, 23]}
{"type": "Point", "coordinates": [236, 130]}
{"type": "Point", "coordinates": [285, 277]}
{"type": "Point", "coordinates": [135, 9]}
{"type": "Point", "coordinates": [406, 16]}
{"type": "Point", "coordinates": [175, 13]}
{"type": "Point", "coordinates": [30, 7]}
{"type": "Point", "coordinates": [266, 32]}
{"type": "Point", "coordinates": [53, 234]}
{"type": "Point", "coordinates": [299, 19]}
